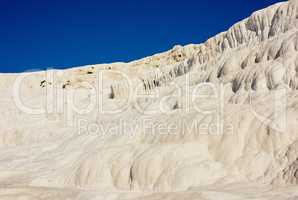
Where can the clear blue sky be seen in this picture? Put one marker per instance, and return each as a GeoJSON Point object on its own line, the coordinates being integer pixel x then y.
{"type": "Point", "coordinates": [36, 34]}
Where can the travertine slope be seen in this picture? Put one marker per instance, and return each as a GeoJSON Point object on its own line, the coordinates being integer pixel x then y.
{"type": "Point", "coordinates": [216, 120]}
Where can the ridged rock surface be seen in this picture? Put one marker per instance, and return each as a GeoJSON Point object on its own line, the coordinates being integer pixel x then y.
{"type": "Point", "coordinates": [218, 120]}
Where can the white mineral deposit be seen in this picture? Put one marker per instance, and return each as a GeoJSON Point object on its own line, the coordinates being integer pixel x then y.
{"type": "Point", "coordinates": [210, 121]}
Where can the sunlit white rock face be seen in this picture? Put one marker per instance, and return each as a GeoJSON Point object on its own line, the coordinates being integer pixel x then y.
{"type": "Point", "coordinates": [217, 120]}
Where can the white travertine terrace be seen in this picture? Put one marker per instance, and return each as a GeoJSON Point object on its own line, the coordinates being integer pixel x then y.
{"type": "Point", "coordinates": [53, 154]}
